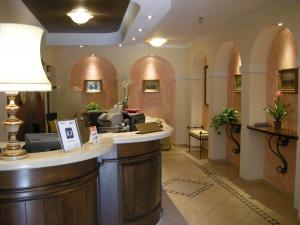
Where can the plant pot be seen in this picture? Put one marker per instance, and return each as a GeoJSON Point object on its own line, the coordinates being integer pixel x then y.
{"type": "Point", "coordinates": [277, 125]}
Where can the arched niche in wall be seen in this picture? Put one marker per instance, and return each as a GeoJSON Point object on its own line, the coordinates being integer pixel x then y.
{"type": "Point", "coordinates": [218, 98]}
{"type": "Point", "coordinates": [95, 68]}
{"type": "Point", "coordinates": [197, 91]}
{"type": "Point", "coordinates": [234, 89]}
{"type": "Point", "coordinates": [282, 55]}
{"type": "Point", "coordinates": [159, 104]}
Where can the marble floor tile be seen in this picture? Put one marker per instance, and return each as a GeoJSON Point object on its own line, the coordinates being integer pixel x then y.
{"type": "Point", "coordinates": [228, 201]}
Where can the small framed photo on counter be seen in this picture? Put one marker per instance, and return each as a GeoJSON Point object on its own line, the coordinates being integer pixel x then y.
{"type": "Point", "coordinates": [151, 86]}
{"type": "Point", "coordinates": [93, 86]}
{"type": "Point", "coordinates": [288, 80]}
{"type": "Point", "coordinates": [69, 135]}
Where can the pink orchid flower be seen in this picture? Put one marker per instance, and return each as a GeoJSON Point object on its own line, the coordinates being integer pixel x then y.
{"type": "Point", "coordinates": [278, 94]}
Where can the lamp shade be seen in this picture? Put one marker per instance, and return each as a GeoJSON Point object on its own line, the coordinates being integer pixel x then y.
{"type": "Point", "coordinates": [20, 59]}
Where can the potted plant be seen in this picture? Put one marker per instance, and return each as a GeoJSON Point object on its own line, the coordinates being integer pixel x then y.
{"type": "Point", "coordinates": [279, 111]}
{"type": "Point", "coordinates": [227, 116]}
{"type": "Point", "coordinates": [92, 106]}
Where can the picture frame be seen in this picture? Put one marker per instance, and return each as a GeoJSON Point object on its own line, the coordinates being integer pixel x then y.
{"type": "Point", "coordinates": [69, 134]}
{"type": "Point", "coordinates": [205, 85]}
{"type": "Point", "coordinates": [288, 80]}
{"type": "Point", "coordinates": [237, 83]}
{"type": "Point", "coordinates": [93, 86]}
{"type": "Point", "coordinates": [151, 86]}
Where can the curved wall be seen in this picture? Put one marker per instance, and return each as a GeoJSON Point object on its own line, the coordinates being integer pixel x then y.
{"type": "Point", "coordinates": [95, 68]}
{"type": "Point", "coordinates": [282, 55]}
{"type": "Point", "coordinates": [233, 101]}
{"type": "Point", "coordinates": [159, 104]}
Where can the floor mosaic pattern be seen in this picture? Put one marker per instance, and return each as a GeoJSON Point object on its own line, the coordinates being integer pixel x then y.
{"type": "Point", "coordinates": [199, 192]}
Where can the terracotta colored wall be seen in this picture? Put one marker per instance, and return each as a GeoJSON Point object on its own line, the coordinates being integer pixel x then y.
{"type": "Point", "coordinates": [96, 68]}
{"type": "Point", "coordinates": [233, 101]}
{"type": "Point", "coordinates": [282, 55]}
{"type": "Point", "coordinates": [153, 104]}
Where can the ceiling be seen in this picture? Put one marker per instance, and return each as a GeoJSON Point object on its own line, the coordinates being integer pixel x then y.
{"type": "Point", "coordinates": [108, 15]}
{"type": "Point", "coordinates": [176, 20]}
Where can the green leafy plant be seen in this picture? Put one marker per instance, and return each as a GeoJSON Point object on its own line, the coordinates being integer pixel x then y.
{"type": "Point", "coordinates": [92, 106]}
{"type": "Point", "coordinates": [279, 111]}
{"type": "Point", "coordinates": [227, 116]}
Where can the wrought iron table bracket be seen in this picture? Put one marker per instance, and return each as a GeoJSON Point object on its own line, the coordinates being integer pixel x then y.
{"type": "Point", "coordinates": [230, 130]}
{"type": "Point", "coordinates": [283, 138]}
{"type": "Point", "coordinates": [280, 142]}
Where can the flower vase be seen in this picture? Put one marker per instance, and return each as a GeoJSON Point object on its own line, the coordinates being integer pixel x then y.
{"type": "Point", "coordinates": [277, 125]}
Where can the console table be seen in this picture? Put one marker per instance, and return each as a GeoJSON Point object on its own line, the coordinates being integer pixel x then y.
{"type": "Point", "coordinates": [283, 136]}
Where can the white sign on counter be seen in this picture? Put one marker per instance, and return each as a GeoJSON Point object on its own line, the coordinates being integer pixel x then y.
{"type": "Point", "coordinates": [94, 135]}
{"type": "Point", "coordinates": [69, 134]}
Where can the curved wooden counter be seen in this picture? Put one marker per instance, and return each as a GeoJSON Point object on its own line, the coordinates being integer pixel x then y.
{"type": "Point", "coordinates": [51, 195]}
{"type": "Point", "coordinates": [113, 183]}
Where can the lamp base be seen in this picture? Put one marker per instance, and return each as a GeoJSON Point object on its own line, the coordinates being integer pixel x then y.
{"type": "Point", "coordinates": [11, 155]}
{"type": "Point", "coordinates": [13, 150]}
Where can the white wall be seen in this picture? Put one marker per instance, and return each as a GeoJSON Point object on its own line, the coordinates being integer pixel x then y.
{"type": "Point", "coordinates": [244, 33]}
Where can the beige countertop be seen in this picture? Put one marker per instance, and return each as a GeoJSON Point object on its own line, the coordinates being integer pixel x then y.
{"type": "Point", "coordinates": [106, 143]}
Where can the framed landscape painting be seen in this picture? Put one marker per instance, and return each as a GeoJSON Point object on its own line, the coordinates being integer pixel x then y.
{"type": "Point", "coordinates": [151, 86]}
{"type": "Point", "coordinates": [288, 80]}
{"type": "Point", "coordinates": [238, 83]}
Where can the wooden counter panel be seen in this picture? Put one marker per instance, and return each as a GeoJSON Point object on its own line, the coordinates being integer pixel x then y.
{"type": "Point", "coordinates": [131, 185]}
{"type": "Point", "coordinates": [141, 182]}
{"type": "Point", "coordinates": [137, 149]}
{"type": "Point", "coordinates": [29, 178]}
{"type": "Point", "coordinates": [68, 202]}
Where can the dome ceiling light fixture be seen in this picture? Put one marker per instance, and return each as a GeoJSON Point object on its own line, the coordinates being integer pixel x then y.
{"type": "Point", "coordinates": [157, 42]}
{"type": "Point", "coordinates": [80, 15]}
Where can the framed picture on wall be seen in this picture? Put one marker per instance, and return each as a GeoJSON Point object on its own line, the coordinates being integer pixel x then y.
{"type": "Point", "coordinates": [205, 85]}
{"type": "Point", "coordinates": [238, 83]}
{"type": "Point", "coordinates": [93, 86]}
{"type": "Point", "coordinates": [151, 86]}
{"type": "Point", "coordinates": [288, 80]}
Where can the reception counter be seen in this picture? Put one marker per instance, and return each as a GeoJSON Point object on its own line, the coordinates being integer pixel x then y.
{"type": "Point", "coordinates": [117, 181]}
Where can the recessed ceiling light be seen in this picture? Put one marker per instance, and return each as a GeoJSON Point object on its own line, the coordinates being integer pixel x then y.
{"type": "Point", "coordinates": [157, 42]}
{"type": "Point", "coordinates": [280, 24]}
{"type": "Point", "coordinates": [80, 15]}
{"type": "Point", "coordinates": [201, 19]}
{"type": "Point", "coordinates": [81, 46]}
{"type": "Point", "coordinates": [133, 38]}
{"type": "Point", "coordinates": [120, 45]}
{"type": "Point", "coordinates": [93, 55]}
{"type": "Point", "coordinates": [149, 17]}
{"type": "Point", "coordinates": [140, 29]}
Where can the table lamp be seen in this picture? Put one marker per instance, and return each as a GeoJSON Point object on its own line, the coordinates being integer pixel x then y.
{"type": "Point", "coordinates": [20, 70]}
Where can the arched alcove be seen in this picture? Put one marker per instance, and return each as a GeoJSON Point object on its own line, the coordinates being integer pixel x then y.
{"type": "Point", "coordinates": [233, 100]}
{"type": "Point", "coordinates": [95, 68]}
{"type": "Point", "coordinates": [282, 55]}
{"type": "Point", "coordinates": [160, 104]}
{"type": "Point", "coordinates": [218, 97]}
{"type": "Point", "coordinates": [197, 84]}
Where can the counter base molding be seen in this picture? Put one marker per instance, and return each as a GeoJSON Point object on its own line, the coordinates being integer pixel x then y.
{"type": "Point", "coordinates": [58, 195]}
{"type": "Point", "coordinates": [131, 184]}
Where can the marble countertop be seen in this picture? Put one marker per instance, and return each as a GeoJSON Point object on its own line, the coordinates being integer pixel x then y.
{"type": "Point", "coordinates": [106, 143]}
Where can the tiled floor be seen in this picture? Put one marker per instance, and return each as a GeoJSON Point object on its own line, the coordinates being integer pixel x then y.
{"type": "Point", "coordinates": [199, 192]}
